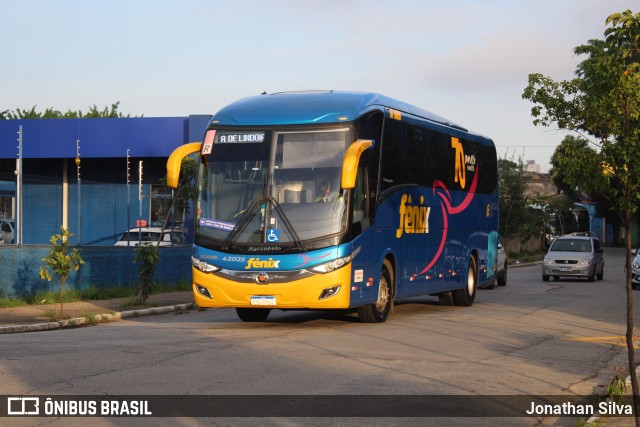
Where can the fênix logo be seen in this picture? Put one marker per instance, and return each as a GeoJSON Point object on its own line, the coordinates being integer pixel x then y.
{"type": "Point", "coordinates": [262, 263]}
{"type": "Point", "coordinates": [463, 163]}
{"type": "Point", "coordinates": [413, 218]}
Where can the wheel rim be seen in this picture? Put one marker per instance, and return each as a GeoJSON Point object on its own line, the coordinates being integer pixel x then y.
{"type": "Point", "coordinates": [383, 294]}
{"type": "Point", "coordinates": [471, 279]}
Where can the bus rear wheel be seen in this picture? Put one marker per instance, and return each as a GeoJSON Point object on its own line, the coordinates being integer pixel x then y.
{"type": "Point", "coordinates": [466, 296]}
{"type": "Point", "coordinates": [379, 310]}
{"type": "Point", "coordinates": [253, 314]}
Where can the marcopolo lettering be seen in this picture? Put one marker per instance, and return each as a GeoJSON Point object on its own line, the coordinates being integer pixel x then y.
{"type": "Point", "coordinates": [262, 263]}
{"type": "Point", "coordinates": [413, 219]}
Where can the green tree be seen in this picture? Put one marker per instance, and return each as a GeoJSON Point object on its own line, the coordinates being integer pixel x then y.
{"type": "Point", "coordinates": [51, 113]}
{"type": "Point", "coordinates": [574, 162]}
{"type": "Point", "coordinates": [147, 256]}
{"type": "Point", "coordinates": [187, 185]}
{"type": "Point", "coordinates": [60, 262]}
{"type": "Point", "coordinates": [513, 201]}
{"type": "Point", "coordinates": [603, 101]}
{"type": "Point", "coordinates": [186, 191]}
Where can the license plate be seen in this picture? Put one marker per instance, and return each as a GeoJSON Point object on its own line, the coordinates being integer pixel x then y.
{"type": "Point", "coordinates": [263, 300]}
{"type": "Point", "coordinates": [566, 269]}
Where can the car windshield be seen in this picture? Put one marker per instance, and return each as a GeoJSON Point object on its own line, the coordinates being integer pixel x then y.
{"type": "Point", "coordinates": [571, 245]}
{"type": "Point", "coordinates": [271, 187]}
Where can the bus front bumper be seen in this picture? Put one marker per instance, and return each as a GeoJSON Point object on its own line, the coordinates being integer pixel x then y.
{"type": "Point", "coordinates": [320, 291]}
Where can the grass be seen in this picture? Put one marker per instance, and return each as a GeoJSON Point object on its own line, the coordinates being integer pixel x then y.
{"type": "Point", "coordinates": [526, 256]}
{"type": "Point", "coordinates": [90, 294]}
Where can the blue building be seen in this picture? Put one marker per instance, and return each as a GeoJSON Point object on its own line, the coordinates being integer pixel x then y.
{"type": "Point", "coordinates": [85, 173]}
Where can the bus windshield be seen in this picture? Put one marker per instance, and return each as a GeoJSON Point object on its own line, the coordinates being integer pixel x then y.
{"type": "Point", "coordinates": [271, 186]}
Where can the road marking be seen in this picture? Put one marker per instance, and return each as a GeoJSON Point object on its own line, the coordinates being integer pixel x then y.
{"type": "Point", "coordinates": [615, 340]}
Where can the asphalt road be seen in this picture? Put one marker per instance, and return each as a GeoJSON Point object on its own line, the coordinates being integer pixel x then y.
{"type": "Point", "coordinates": [528, 338]}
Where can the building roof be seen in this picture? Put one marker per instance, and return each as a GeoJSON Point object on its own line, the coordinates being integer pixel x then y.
{"type": "Point", "coordinates": [97, 138]}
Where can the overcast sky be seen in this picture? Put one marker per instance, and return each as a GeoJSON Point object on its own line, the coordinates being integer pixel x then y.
{"type": "Point", "coordinates": [462, 59]}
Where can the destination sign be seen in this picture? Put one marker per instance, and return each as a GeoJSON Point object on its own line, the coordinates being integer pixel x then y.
{"type": "Point", "coordinates": [240, 138]}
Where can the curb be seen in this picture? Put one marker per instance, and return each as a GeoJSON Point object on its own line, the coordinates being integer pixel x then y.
{"type": "Point", "coordinates": [596, 418]}
{"type": "Point", "coordinates": [98, 318]}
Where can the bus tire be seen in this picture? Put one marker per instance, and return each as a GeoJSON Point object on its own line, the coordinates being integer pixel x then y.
{"type": "Point", "coordinates": [445, 299]}
{"type": "Point", "coordinates": [502, 280]}
{"type": "Point", "coordinates": [465, 296]}
{"type": "Point", "coordinates": [253, 314]}
{"type": "Point", "coordinates": [379, 311]}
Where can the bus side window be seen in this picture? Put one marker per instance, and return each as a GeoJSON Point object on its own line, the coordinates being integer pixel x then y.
{"type": "Point", "coordinates": [360, 203]}
{"type": "Point", "coordinates": [394, 155]}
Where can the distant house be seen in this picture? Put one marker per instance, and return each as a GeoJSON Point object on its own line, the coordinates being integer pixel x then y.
{"type": "Point", "coordinates": [539, 184]}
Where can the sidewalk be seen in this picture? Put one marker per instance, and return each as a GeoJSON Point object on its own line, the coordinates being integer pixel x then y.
{"type": "Point", "coordinates": [29, 318]}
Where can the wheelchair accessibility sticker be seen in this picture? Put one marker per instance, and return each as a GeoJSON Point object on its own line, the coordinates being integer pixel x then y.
{"type": "Point", "coordinates": [273, 235]}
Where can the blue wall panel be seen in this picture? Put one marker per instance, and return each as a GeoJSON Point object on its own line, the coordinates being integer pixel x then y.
{"type": "Point", "coordinates": [57, 138]}
{"type": "Point", "coordinates": [104, 267]}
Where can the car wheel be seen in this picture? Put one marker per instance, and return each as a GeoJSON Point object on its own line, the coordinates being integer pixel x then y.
{"type": "Point", "coordinates": [502, 280]}
{"type": "Point", "coordinates": [253, 314]}
{"type": "Point", "coordinates": [466, 296]}
{"type": "Point", "coordinates": [379, 310]}
{"type": "Point", "coordinates": [545, 278]}
{"type": "Point", "coordinates": [592, 277]}
{"type": "Point", "coordinates": [601, 275]}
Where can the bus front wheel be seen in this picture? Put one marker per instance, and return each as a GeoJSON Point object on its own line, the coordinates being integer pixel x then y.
{"type": "Point", "coordinates": [466, 296]}
{"type": "Point", "coordinates": [253, 314]}
{"type": "Point", "coordinates": [379, 310]}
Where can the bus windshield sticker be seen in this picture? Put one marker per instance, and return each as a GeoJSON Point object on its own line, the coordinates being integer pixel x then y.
{"type": "Point", "coordinates": [208, 142]}
{"type": "Point", "coordinates": [240, 137]}
{"type": "Point", "coordinates": [273, 235]}
{"type": "Point", "coordinates": [213, 223]}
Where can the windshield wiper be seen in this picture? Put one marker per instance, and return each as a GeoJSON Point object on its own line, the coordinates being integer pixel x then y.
{"type": "Point", "coordinates": [244, 220]}
{"type": "Point", "coordinates": [287, 224]}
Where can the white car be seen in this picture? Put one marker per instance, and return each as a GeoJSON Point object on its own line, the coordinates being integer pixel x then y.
{"type": "Point", "coordinates": [7, 227]}
{"type": "Point", "coordinates": [574, 256]}
{"type": "Point", "coordinates": [501, 268]}
{"type": "Point", "coordinates": [635, 269]}
{"type": "Point", "coordinates": [501, 274]}
{"type": "Point", "coordinates": [153, 235]}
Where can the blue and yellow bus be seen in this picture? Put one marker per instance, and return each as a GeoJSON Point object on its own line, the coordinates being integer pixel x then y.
{"type": "Point", "coordinates": [328, 200]}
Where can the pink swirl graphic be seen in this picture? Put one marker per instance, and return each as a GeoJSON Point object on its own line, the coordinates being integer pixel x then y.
{"type": "Point", "coordinates": [447, 210]}
{"type": "Point", "coordinates": [306, 259]}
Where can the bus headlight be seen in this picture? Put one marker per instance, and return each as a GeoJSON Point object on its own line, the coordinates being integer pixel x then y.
{"type": "Point", "coordinates": [205, 267]}
{"type": "Point", "coordinates": [330, 266]}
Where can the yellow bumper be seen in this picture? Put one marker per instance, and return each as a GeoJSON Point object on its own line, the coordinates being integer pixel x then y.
{"type": "Point", "coordinates": [297, 294]}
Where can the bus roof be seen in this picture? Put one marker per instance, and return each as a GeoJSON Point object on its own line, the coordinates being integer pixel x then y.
{"type": "Point", "coordinates": [313, 107]}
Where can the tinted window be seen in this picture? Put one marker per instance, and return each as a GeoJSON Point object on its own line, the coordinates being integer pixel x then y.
{"type": "Point", "coordinates": [394, 169]}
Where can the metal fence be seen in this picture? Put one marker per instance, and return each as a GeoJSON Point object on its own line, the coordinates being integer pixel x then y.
{"type": "Point", "coordinates": [97, 213]}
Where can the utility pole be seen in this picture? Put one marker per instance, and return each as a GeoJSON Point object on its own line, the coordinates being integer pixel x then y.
{"type": "Point", "coordinates": [140, 201]}
{"type": "Point", "coordinates": [128, 199]}
{"type": "Point", "coordinates": [79, 195]}
{"type": "Point", "coordinates": [18, 232]}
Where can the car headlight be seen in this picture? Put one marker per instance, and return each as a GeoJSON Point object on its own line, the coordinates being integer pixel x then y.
{"type": "Point", "coordinates": [205, 267]}
{"type": "Point", "coordinates": [330, 266]}
{"type": "Point", "coordinates": [584, 261]}
{"type": "Point", "coordinates": [547, 261]}
{"type": "Point", "coordinates": [636, 265]}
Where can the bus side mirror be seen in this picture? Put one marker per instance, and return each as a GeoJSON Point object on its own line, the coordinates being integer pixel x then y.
{"type": "Point", "coordinates": [175, 161]}
{"type": "Point", "coordinates": [350, 162]}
